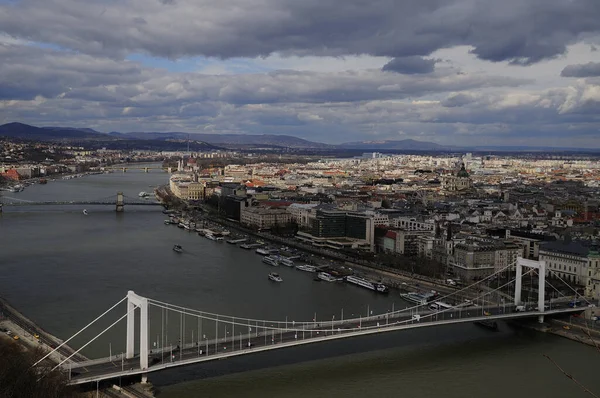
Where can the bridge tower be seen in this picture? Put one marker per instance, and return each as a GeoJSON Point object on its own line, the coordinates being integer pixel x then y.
{"type": "Point", "coordinates": [120, 207]}
{"type": "Point", "coordinates": [541, 267]}
{"type": "Point", "coordinates": [134, 301]}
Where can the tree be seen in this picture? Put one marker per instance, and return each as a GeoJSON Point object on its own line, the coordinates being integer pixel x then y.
{"type": "Point", "coordinates": [18, 377]}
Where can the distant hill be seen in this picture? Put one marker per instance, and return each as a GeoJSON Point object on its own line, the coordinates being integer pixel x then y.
{"type": "Point", "coordinates": [25, 131]}
{"type": "Point", "coordinates": [233, 140]}
{"type": "Point", "coordinates": [94, 140]}
{"type": "Point", "coordinates": [409, 145]}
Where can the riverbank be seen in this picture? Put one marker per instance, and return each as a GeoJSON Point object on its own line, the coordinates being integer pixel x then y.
{"type": "Point", "coordinates": [391, 277]}
{"type": "Point", "coordinates": [33, 335]}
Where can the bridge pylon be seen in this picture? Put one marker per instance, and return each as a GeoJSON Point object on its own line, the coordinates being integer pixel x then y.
{"type": "Point", "coordinates": [120, 205]}
{"type": "Point", "coordinates": [134, 301]}
{"type": "Point", "coordinates": [541, 267]}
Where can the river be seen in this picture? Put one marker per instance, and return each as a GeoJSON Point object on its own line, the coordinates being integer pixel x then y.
{"type": "Point", "coordinates": [62, 268]}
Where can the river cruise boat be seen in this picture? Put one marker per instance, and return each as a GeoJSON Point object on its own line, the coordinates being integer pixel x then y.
{"type": "Point", "coordinates": [250, 246]}
{"type": "Point", "coordinates": [374, 286]}
{"type": "Point", "coordinates": [440, 306]}
{"type": "Point", "coordinates": [235, 241]}
{"type": "Point", "coordinates": [274, 276]}
{"type": "Point", "coordinates": [178, 249]}
{"type": "Point", "coordinates": [418, 298]}
{"type": "Point", "coordinates": [270, 260]}
{"type": "Point", "coordinates": [288, 262]}
{"type": "Point", "coordinates": [263, 251]}
{"type": "Point", "coordinates": [324, 276]}
{"type": "Point", "coordinates": [306, 268]}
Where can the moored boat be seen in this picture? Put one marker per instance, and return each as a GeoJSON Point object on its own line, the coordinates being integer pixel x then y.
{"type": "Point", "coordinates": [270, 260]}
{"type": "Point", "coordinates": [286, 261]}
{"type": "Point", "coordinates": [306, 268]}
{"type": "Point", "coordinates": [418, 298]}
{"type": "Point", "coordinates": [362, 282]}
{"type": "Point", "coordinates": [327, 277]}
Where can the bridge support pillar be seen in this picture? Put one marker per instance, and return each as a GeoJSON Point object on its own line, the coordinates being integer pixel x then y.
{"type": "Point", "coordinates": [134, 301]}
{"type": "Point", "coordinates": [541, 267]}
{"type": "Point", "coordinates": [145, 169]}
{"type": "Point", "coordinates": [124, 169]}
{"type": "Point", "coordinates": [120, 206]}
{"type": "Point", "coordinates": [144, 334]}
{"type": "Point", "coordinates": [129, 349]}
{"type": "Point", "coordinates": [170, 170]}
{"type": "Point", "coordinates": [144, 378]}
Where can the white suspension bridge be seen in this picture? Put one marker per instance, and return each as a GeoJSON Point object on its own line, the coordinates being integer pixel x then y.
{"type": "Point", "coordinates": [216, 336]}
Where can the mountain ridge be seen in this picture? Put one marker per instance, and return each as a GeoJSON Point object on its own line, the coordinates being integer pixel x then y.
{"type": "Point", "coordinates": [247, 141]}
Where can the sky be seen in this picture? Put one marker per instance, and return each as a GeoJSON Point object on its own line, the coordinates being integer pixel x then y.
{"type": "Point", "coordinates": [454, 72]}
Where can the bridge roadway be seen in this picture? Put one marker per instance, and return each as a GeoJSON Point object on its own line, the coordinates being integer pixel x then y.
{"type": "Point", "coordinates": [107, 368]}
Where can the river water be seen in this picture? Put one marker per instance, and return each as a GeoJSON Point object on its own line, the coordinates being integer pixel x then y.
{"type": "Point", "coordinates": [62, 268]}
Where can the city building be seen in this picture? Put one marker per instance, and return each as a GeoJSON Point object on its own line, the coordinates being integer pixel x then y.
{"type": "Point", "coordinates": [264, 217]}
{"type": "Point", "coordinates": [575, 263]}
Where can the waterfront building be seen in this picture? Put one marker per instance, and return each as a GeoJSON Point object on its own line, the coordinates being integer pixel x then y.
{"type": "Point", "coordinates": [478, 258]}
{"type": "Point", "coordinates": [264, 217]}
{"type": "Point", "coordinates": [574, 262]}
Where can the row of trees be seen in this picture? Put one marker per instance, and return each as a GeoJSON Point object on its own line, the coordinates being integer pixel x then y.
{"type": "Point", "coordinates": [19, 379]}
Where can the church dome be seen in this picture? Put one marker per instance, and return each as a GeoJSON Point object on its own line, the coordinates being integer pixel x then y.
{"type": "Point", "coordinates": [463, 172]}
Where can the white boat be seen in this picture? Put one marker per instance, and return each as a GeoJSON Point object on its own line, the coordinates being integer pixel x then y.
{"type": "Point", "coordinates": [234, 241]}
{"type": "Point", "coordinates": [306, 268]}
{"type": "Point", "coordinates": [274, 276]}
{"type": "Point", "coordinates": [249, 246]}
{"type": "Point", "coordinates": [143, 194]}
{"type": "Point", "coordinates": [270, 260]}
{"type": "Point", "coordinates": [263, 251]}
{"type": "Point", "coordinates": [440, 306]}
{"type": "Point", "coordinates": [286, 261]}
{"type": "Point", "coordinates": [85, 212]}
{"type": "Point", "coordinates": [327, 277]}
{"type": "Point", "coordinates": [418, 298]}
{"type": "Point", "coordinates": [210, 236]}
{"type": "Point", "coordinates": [375, 286]}
{"type": "Point", "coordinates": [219, 238]}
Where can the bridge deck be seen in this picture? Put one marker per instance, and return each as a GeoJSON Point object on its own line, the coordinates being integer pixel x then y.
{"type": "Point", "coordinates": [107, 368]}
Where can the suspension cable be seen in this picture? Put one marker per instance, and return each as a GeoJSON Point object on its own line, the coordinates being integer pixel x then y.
{"type": "Point", "coordinates": [70, 338]}
{"type": "Point", "coordinates": [351, 320]}
{"type": "Point", "coordinates": [98, 335]}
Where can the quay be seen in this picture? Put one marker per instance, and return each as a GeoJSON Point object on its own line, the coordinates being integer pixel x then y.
{"type": "Point", "coordinates": [21, 326]}
{"type": "Point", "coordinates": [392, 277]}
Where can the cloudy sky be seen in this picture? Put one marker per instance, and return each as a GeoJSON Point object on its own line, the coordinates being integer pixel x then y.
{"type": "Point", "coordinates": [510, 72]}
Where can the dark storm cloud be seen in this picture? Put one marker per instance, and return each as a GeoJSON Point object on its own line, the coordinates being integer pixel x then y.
{"type": "Point", "coordinates": [410, 65]}
{"type": "Point", "coordinates": [519, 31]}
{"type": "Point", "coordinates": [591, 69]}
